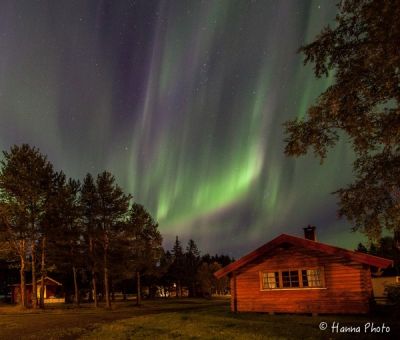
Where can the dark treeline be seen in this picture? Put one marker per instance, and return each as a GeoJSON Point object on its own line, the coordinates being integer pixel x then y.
{"type": "Point", "coordinates": [186, 273]}
{"type": "Point", "coordinates": [91, 236]}
{"type": "Point", "coordinates": [387, 247]}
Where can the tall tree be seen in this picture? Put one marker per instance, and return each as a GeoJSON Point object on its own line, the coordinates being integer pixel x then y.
{"type": "Point", "coordinates": [145, 243]}
{"type": "Point", "coordinates": [64, 215]}
{"type": "Point", "coordinates": [362, 105]}
{"type": "Point", "coordinates": [89, 204]}
{"type": "Point", "coordinates": [52, 224]}
{"type": "Point", "coordinates": [192, 264]}
{"type": "Point", "coordinates": [112, 210]}
{"type": "Point", "coordinates": [177, 268]}
{"type": "Point", "coordinates": [72, 213]}
{"type": "Point", "coordinates": [25, 182]}
{"type": "Point", "coordinates": [165, 279]}
{"type": "Point", "coordinates": [13, 233]}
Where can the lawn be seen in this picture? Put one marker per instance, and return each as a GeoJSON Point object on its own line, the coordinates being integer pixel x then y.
{"type": "Point", "coordinates": [184, 319]}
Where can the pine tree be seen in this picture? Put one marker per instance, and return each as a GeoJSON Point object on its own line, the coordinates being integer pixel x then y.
{"type": "Point", "coordinates": [177, 269]}
{"type": "Point", "coordinates": [165, 280]}
{"type": "Point", "coordinates": [192, 263]}
{"type": "Point", "coordinates": [25, 183]}
{"type": "Point", "coordinates": [65, 218]}
{"type": "Point", "coordinates": [361, 248]}
{"type": "Point", "coordinates": [13, 232]}
{"type": "Point", "coordinates": [112, 209]}
{"type": "Point", "coordinates": [52, 224]}
{"type": "Point", "coordinates": [89, 205]}
{"type": "Point", "coordinates": [72, 213]}
{"type": "Point", "coordinates": [145, 243]}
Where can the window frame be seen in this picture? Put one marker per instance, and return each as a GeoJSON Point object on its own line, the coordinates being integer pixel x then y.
{"type": "Point", "coordinates": [300, 278]}
{"type": "Point", "coordinates": [278, 284]}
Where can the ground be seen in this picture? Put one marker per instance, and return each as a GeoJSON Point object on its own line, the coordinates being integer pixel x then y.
{"type": "Point", "coordinates": [184, 319]}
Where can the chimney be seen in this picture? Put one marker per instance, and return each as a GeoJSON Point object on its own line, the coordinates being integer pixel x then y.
{"type": "Point", "coordinates": [309, 233]}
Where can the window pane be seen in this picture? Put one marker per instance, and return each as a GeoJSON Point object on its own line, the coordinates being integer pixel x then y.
{"type": "Point", "coordinates": [286, 279]}
{"type": "Point", "coordinates": [270, 280]}
{"type": "Point", "coordinates": [290, 278]}
{"type": "Point", "coordinates": [294, 278]}
{"type": "Point", "coordinates": [265, 280]}
{"type": "Point", "coordinates": [314, 278]}
{"type": "Point", "coordinates": [304, 277]}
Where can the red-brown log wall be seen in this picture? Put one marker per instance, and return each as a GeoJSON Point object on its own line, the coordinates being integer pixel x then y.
{"type": "Point", "coordinates": [348, 287]}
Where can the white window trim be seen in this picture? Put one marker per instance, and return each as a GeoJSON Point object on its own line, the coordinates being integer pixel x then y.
{"type": "Point", "coordinates": [321, 268]}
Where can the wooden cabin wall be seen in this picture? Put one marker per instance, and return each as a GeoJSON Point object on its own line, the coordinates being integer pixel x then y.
{"type": "Point", "coordinates": [348, 286]}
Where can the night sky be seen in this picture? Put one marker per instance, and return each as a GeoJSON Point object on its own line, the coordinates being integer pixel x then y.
{"type": "Point", "coordinates": [183, 101]}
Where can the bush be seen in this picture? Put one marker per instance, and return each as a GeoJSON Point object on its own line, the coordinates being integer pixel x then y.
{"type": "Point", "coordinates": [393, 294]}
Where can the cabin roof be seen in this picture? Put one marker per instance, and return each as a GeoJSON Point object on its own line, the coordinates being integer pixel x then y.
{"type": "Point", "coordinates": [371, 260]}
{"type": "Point", "coordinates": [46, 280]}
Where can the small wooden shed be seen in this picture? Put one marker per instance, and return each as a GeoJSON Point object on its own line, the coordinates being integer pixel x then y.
{"type": "Point", "coordinates": [52, 291]}
{"type": "Point", "coordinates": [294, 275]}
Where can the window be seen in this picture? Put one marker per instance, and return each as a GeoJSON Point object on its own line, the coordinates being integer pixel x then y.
{"type": "Point", "coordinates": [270, 280]}
{"type": "Point", "coordinates": [311, 277]}
{"type": "Point", "coordinates": [293, 278]}
{"type": "Point", "coordinates": [290, 278]}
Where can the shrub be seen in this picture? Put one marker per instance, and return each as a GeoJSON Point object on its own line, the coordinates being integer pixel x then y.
{"type": "Point", "coordinates": [393, 294]}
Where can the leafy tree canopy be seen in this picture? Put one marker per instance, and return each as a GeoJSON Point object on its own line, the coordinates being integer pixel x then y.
{"type": "Point", "coordinates": [363, 52]}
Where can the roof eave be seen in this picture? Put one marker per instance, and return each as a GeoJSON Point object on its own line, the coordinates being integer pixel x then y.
{"type": "Point", "coordinates": [367, 259]}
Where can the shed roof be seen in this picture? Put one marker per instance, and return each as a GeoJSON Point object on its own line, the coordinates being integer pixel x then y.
{"type": "Point", "coordinates": [47, 280]}
{"type": "Point", "coordinates": [371, 260]}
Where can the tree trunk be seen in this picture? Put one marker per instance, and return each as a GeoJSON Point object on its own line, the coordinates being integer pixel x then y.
{"type": "Point", "coordinates": [138, 298]}
{"type": "Point", "coordinates": [91, 250]}
{"type": "Point", "coordinates": [96, 303]}
{"type": "Point", "coordinates": [22, 286]}
{"type": "Point", "coordinates": [76, 291]}
{"type": "Point", "coordinates": [107, 288]}
{"type": "Point", "coordinates": [106, 283]}
{"type": "Point", "coordinates": [34, 284]}
{"type": "Point", "coordinates": [43, 271]}
{"type": "Point", "coordinates": [90, 297]}
{"type": "Point", "coordinates": [22, 273]}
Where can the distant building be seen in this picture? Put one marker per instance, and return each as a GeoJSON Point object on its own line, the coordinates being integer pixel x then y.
{"type": "Point", "coordinates": [52, 291]}
{"type": "Point", "coordinates": [294, 275]}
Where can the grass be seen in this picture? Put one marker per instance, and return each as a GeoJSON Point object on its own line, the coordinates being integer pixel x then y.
{"type": "Point", "coordinates": [171, 319]}
{"type": "Point", "coordinates": [216, 322]}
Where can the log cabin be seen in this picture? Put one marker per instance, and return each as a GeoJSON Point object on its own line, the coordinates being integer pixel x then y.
{"type": "Point", "coordinates": [52, 291]}
{"type": "Point", "coordinates": [300, 275]}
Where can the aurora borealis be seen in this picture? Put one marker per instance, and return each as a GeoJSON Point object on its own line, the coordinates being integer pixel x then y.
{"type": "Point", "coordinates": [183, 101]}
